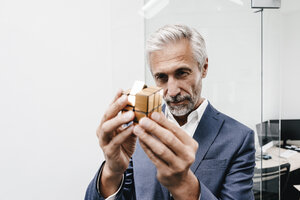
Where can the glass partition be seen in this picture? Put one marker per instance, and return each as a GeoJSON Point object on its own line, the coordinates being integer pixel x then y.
{"type": "Point", "coordinates": [268, 167]}
{"type": "Point", "coordinates": [252, 76]}
{"type": "Point", "coordinates": [232, 35]}
{"type": "Point", "coordinates": [280, 103]}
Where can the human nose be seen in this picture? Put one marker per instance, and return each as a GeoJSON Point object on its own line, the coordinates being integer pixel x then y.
{"type": "Point", "coordinates": [173, 88]}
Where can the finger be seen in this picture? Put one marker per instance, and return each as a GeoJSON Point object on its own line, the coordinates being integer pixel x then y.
{"type": "Point", "coordinates": [119, 94]}
{"type": "Point", "coordinates": [164, 122]}
{"type": "Point", "coordinates": [115, 108]}
{"type": "Point", "coordinates": [156, 160]}
{"type": "Point", "coordinates": [157, 147]}
{"type": "Point", "coordinates": [113, 124]}
{"type": "Point", "coordinates": [124, 126]}
{"type": "Point", "coordinates": [120, 138]}
{"type": "Point", "coordinates": [164, 135]}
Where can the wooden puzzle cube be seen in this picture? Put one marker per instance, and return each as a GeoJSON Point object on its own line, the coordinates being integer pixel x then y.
{"type": "Point", "coordinates": [144, 102]}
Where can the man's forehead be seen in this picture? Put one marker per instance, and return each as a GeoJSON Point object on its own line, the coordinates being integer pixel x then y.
{"type": "Point", "coordinates": [169, 66]}
{"type": "Point", "coordinates": [172, 54]}
{"type": "Point", "coordinates": [158, 59]}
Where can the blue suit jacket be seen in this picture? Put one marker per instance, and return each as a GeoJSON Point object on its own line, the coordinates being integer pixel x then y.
{"type": "Point", "coordinates": [224, 164]}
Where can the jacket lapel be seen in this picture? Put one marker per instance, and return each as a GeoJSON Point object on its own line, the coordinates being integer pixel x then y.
{"type": "Point", "coordinates": [206, 132]}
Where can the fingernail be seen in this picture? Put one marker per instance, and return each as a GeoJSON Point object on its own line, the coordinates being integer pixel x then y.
{"type": "Point", "coordinates": [144, 122]}
{"type": "Point", "coordinates": [128, 114]}
{"type": "Point", "coordinates": [155, 116]}
{"type": "Point", "coordinates": [137, 130]}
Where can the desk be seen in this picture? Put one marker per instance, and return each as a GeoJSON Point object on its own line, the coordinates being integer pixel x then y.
{"type": "Point", "coordinates": [290, 193]}
{"type": "Point", "coordinates": [276, 160]}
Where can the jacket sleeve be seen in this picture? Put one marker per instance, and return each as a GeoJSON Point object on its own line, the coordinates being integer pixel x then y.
{"type": "Point", "coordinates": [127, 191]}
{"type": "Point", "coordinates": [238, 180]}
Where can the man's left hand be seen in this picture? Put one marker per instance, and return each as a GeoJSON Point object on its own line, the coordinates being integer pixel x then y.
{"type": "Point", "coordinates": [173, 152]}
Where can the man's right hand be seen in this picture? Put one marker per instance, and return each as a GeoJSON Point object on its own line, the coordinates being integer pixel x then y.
{"type": "Point", "coordinates": [117, 143]}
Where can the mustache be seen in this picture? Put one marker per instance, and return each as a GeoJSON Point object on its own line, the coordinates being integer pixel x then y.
{"type": "Point", "coordinates": [177, 98]}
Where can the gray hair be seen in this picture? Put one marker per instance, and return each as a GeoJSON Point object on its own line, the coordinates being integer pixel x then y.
{"type": "Point", "coordinates": [173, 33]}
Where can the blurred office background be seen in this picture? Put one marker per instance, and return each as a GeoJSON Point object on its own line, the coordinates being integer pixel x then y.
{"type": "Point", "coordinates": [61, 63]}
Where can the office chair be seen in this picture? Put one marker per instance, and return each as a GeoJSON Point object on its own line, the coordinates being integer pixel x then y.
{"type": "Point", "coordinates": [269, 178]}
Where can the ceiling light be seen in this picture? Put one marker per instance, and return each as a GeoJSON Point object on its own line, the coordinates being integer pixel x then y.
{"type": "Point", "coordinates": [152, 7]}
{"type": "Point", "coordinates": [239, 2]}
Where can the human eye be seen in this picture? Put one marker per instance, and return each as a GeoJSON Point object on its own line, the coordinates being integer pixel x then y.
{"type": "Point", "coordinates": [161, 77]}
{"type": "Point", "coordinates": [181, 73]}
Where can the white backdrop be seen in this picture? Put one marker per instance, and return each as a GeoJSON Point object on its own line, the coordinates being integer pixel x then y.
{"type": "Point", "coordinates": [58, 72]}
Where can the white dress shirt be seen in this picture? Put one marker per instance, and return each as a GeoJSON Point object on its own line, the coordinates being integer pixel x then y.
{"type": "Point", "coordinates": [193, 119]}
{"type": "Point", "coordinates": [189, 127]}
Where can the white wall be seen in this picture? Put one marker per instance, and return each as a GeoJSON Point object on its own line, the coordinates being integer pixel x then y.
{"type": "Point", "coordinates": [281, 62]}
{"type": "Point", "coordinates": [290, 67]}
{"type": "Point", "coordinates": [127, 42]}
{"type": "Point", "coordinates": [271, 64]}
{"type": "Point", "coordinates": [232, 35]}
{"type": "Point", "coordinates": [58, 72]}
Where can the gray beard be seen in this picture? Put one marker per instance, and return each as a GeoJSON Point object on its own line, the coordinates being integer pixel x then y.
{"type": "Point", "coordinates": [182, 109]}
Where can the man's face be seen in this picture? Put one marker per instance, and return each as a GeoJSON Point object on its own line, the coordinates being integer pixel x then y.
{"type": "Point", "coordinates": [176, 71]}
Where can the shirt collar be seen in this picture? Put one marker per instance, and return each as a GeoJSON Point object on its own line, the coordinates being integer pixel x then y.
{"type": "Point", "coordinates": [194, 115]}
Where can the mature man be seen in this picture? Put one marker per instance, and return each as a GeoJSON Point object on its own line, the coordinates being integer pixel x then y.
{"type": "Point", "coordinates": [192, 151]}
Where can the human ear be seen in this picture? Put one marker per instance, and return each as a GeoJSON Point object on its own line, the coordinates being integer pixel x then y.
{"type": "Point", "coordinates": [204, 69]}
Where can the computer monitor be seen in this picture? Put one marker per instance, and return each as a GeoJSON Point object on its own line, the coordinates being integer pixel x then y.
{"type": "Point", "coordinates": [263, 132]}
{"type": "Point", "coordinates": [288, 129]}
{"type": "Point", "coordinates": [274, 129]}
{"type": "Point", "coordinates": [267, 131]}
